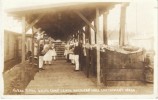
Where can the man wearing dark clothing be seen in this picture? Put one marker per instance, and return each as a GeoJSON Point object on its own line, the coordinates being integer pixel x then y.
{"type": "Point", "coordinates": [76, 56]}
{"type": "Point", "coordinates": [77, 50]}
{"type": "Point", "coordinates": [81, 56]}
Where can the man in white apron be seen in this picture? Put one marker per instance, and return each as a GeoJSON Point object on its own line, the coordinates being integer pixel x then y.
{"type": "Point", "coordinates": [41, 57]}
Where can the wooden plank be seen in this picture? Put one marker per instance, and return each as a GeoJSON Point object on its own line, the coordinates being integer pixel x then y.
{"type": "Point", "coordinates": [124, 74]}
{"type": "Point", "coordinates": [23, 39]}
{"type": "Point", "coordinates": [105, 37]}
{"type": "Point", "coordinates": [124, 83]}
{"type": "Point", "coordinates": [85, 19]}
{"type": "Point", "coordinates": [98, 48]}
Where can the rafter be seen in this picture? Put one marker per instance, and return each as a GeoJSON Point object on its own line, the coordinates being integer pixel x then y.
{"type": "Point", "coordinates": [85, 19]}
{"type": "Point", "coordinates": [34, 22]}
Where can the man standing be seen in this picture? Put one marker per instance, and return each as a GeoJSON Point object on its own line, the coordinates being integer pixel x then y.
{"type": "Point", "coordinates": [76, 56]}
{"type": "Point", "coordinates": [41, 56]}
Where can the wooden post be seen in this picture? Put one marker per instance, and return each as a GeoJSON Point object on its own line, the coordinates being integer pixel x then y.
{"type": "Point", "coordinates": [98, 47]}
{"type": "Point", "coordinates": [95, 33]}
{"type": "Point", "coordinates": [83, 34]}
{"type": "Point", "coordinates": [86, 32]}
{"type": "Point", "coordinates": [38, 52]}
{"type": "Point", "coordinates": [32, 47]}
{"type": "Point", "coordinates": [105, 37]}
{"type": "Point", "coordinates": [23, 39]}
{"type": "Point", "coordinates": [122, 24]}
{"type": "Point", "coordinates": [78, 35]}
{"type": "Point", "coordinates": [44, 39]}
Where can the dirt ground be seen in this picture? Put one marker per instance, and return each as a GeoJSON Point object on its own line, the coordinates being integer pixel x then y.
{"type": "Point", "coordinates": [18, 77]}
{"type": "Point", "coordinates": [9, 64]}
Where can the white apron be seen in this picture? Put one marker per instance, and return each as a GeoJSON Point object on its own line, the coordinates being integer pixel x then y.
{"type": "Point", "coordinates": [48, 56]}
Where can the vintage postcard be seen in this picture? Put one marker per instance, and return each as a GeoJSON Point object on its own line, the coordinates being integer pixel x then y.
{"type": "Point", "coordinates": [53, 48]}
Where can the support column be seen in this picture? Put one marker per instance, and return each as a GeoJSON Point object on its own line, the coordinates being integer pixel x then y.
{"type": "Point", "coordinates": [87, 32]}
{"type": "Point", "coordinates": [122, 24]}
{"type": "Point", "coordinates": [95, 33]}
{"type": "Point", "coordinates": [32, 47]}
{"type": "Point", "coordinates": [84, 37]}
{"type": "Point", "coordinates": [78, 35]}
{"type": "Point", "coordinates": [105, 37]}
{"type": "Point", "coordinates": [98, 47]}
{"type": "Point", "coordinates": [38, 51]}
{"type": "Point", "coordinates": [87, 50]}
{"type": "Point", "coordinates": [23, 39]}
{"type": "Point", "coordinates": [44, 38]}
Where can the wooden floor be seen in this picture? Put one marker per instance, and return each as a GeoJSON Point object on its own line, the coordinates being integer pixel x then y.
{"type": "Point", "coordinates": [59, 75]}
{"type": "Point", "coordinates": [60, 78]}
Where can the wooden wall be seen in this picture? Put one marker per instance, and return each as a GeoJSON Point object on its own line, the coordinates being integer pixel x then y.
{"type": "Point", "coordinates": [13, 45]}
{"type": "Point", "coordinates": [10, 45]}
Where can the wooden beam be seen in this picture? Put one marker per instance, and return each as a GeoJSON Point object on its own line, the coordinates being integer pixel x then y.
{"type": "Point", "coordinates": [122, 24]}
{"type": "Point", "coordinates": [85, 19]}
{"type": "Point", "coordinates": [23, 39]}
{"type": "Point", "coordinates": [34, 22]}
{"type": "Point", "coordinates": [78, 36]}
{"type": "Point", "coordinates": [32, 47]}
{"type": "Point", "coordinates": [84, 38]}
{"type": "Point", "coordinates": [105, 37]}
{"type": "Point", "coordinates": [98, 48]}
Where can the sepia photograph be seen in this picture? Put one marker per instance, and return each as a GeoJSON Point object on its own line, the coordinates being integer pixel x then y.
{"type": "Point", "coordinates": [79, 48]}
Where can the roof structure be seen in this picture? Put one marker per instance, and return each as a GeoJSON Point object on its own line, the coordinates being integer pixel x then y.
{"type": "Point", "coordinates": [61, 20]}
